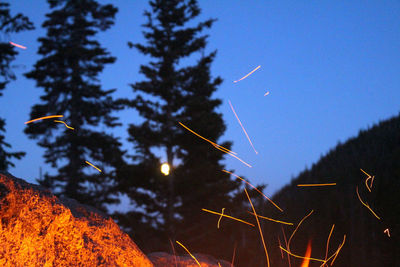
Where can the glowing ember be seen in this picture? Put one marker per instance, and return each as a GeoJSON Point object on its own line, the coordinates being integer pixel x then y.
{"type": "Point", "coordinates": [270, 219]}
{"type": "Point", "coordinates": [65, 124]}
{"type": "Point", "coordinates": [165, 169]}
{"type": "Point", "coordinates": [222, 214]}
{"type": "Point", "coordinates": [240, 178]}
{"type": "Point", "coordinates": [259, 227]}
{"type": "Point", "coordinates": [241, 125]}
{"type": "Point", "coordinates": [92, 165]}
{"type": "Point", "coordinates": [327, 184]}
{"type": "Point", "coordinates": [188, 252]}
{"type": "Point", "coordinates": [17, 45]}
{"type": "Point", "coordinates": [368, 178]}
{"type": "Point", "coordinates": [327, 242]}
{"type": "Point", "coordinates": [221, 148]}
{"type": "Point", "coordinates": [247, 75]}
{"type": "Point", "coordinates": [387, 232]}
{"type": "Point", "coordinates": [43, 118]}
{"type": "Point", "coordinates": [227, 216]}
{"type": "Point", "coordinates": [306, 260]}
{"type": "Point", "coordinates": [366, 204]}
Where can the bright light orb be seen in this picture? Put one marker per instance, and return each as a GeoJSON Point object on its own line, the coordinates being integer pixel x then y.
{"type": "Point", "coordinates": [165, 169]}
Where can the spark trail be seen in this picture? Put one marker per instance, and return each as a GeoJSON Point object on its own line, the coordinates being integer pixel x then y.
{"type": "Point", "coordinates": [247, 75]}
{"type": "Point", "coordinates": [241, 125]}
{"type": "Point", "coordinates": [43, 118]}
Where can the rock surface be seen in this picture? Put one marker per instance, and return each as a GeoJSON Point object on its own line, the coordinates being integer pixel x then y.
{"type": "Point", "coordinates": [39, 229]}
{"type": "Point", "coordinates": [162, 259]}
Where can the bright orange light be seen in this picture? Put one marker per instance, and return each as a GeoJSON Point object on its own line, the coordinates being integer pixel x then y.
{"type": "Point", "coordinates": [247, 75]}
{"type": "Point", "coordinates": [43, 118]}
{"type": "Point", "coordinates": [297, 227]}
{"type": "Point", "coordinates": [234, 254]}
{"type": "Point", "coordinates": [92, 165]}
{"type": "Point", "coordinates": [327, 242]}
{"type": "Point", "coordinates": [17, 45]}
{"type": "Point", "coordinates": [387, 232]}
{"type": "Point", "coordinates": [306, 261]}
{"type": "Point", "coordinates": [240, 178]}
{"type": "Point", "coordinates": [327, 184]}
{"type": "Point", "coordinates": [270, 219]}
{"type": "Point", "coordinates": [259, 227]}
{"type": "Point", "coordinates": [221, 148]}
{"type": "Point", "coordinates": [65, 124]}
{"type": "Point", "coordinates": [279, 242]}
{"type": "Point", "coordinates": [227, 216]}
{"type": "Point", "coordinates": [366, 204]}
{"type": "Point", "coordinates": [222, 214]}
{"type": "Point", "coordinates": [368, 178]}
{"type": "Point", "coordinates": [241, 125]}
{"type": "Point", "coordinates": [188, 252]}
{"type": "Point", "coordinates": [337, 252]}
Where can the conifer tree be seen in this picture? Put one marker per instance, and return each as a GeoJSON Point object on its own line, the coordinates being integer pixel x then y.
{"type": "Point", "coordinates": [68, 73]}
{"type": "Point", "coordinates": [174, 93]}
{"type": "Point", "coordinates": [8, 24]}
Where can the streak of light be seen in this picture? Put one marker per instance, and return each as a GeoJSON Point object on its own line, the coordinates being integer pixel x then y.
{"type": "Point", "coordinates": [241, 125]}
{"type": "Point", "coordinates": [301, 257]}
{"type": "Point", "coordinates": [387, 232]}
{"type": "Point", "coordinates": [17, 45]}
{"type": "Point", "coordinates": [92, 165]}
{"type": "Point", "coordinates": [267, 93]}
{"type": "Point", "coordinates": [337, 252]}
{"type": "Point", "coordinates": [368, 178]}
{"type": "Point", "coordinates": [173, 250]}
{"type": "Point", "coordinates": [297, 227]}
{"type": "Point", "coordinates": [247, 75]}
{"type": "Point", "coordinates": [240, 178]}
{"type": "Point", "coordinates": [366, 204]}
{"type": "Point", "coordinates": [188, 252]}
{"type": "Point", "coordinates": [327, 184]}
{"type": "Point", "coordinates": [69, 127]}
{"type": "Point", "coordinates": [279, 241]}
{"type": "Point", "coordinates": [227, 216]}
{"type": "Point", "coordinates": [234, 253]}
{"type": "Point", "coordinates": [327, 242]}
{"type": "Point", "coordinates": [286, 243]}
{"type": "Point", "coordinates": [221, 148]}
{"type": "Point", "coordinates": [306, 262]}
{"type": "Point", "coordinates": [259, 227]}
{"type": "Point", "coordinates": [43, 118]}
{"type": "Point", "coordinates": [222, 214]}
{"type": "Point", "coordinates": [270, 219]}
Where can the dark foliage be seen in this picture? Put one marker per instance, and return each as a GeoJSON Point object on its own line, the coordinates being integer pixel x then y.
{"type": "Point", "coordinates": [8, 24]}
{"type": "Point", "coordinates": [170, 207]}
{"type": "Point", "coordinates": [71, 61]}
{"type": "Point", "coordinates": [376, 151]}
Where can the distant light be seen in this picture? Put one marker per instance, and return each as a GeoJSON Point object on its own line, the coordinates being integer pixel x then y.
{"type": "Point", "coordinates": [165, 169]}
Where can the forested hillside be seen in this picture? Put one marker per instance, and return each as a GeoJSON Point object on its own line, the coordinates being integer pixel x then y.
{"type": "Point", "coordinates": [377, 152]}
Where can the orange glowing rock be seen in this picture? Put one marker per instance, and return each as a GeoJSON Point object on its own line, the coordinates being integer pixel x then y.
{"type": "Point", "coordinates": [39, 229]}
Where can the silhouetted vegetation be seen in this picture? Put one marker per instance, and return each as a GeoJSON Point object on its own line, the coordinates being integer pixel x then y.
{"type": "Point", "coordinates": [68, 72]}
{"type": "Point", "coordinates": [8, 24]}
{"type": "Point", "coordinates": [377, 152]}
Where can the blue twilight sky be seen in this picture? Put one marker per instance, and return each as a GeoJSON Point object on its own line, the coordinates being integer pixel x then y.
{"type": "Point", "coordinates": [331, 67]}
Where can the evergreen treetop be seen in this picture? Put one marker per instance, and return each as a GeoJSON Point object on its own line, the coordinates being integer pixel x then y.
{"type": "Point", "coordinates": [68, 72]}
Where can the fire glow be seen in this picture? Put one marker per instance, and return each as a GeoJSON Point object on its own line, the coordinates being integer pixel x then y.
{"type": "Point", "coordinates": [307, 256]}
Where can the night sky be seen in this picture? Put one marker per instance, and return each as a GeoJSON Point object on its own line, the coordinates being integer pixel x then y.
{"type": "Point", "coordinates": [331, 68]}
